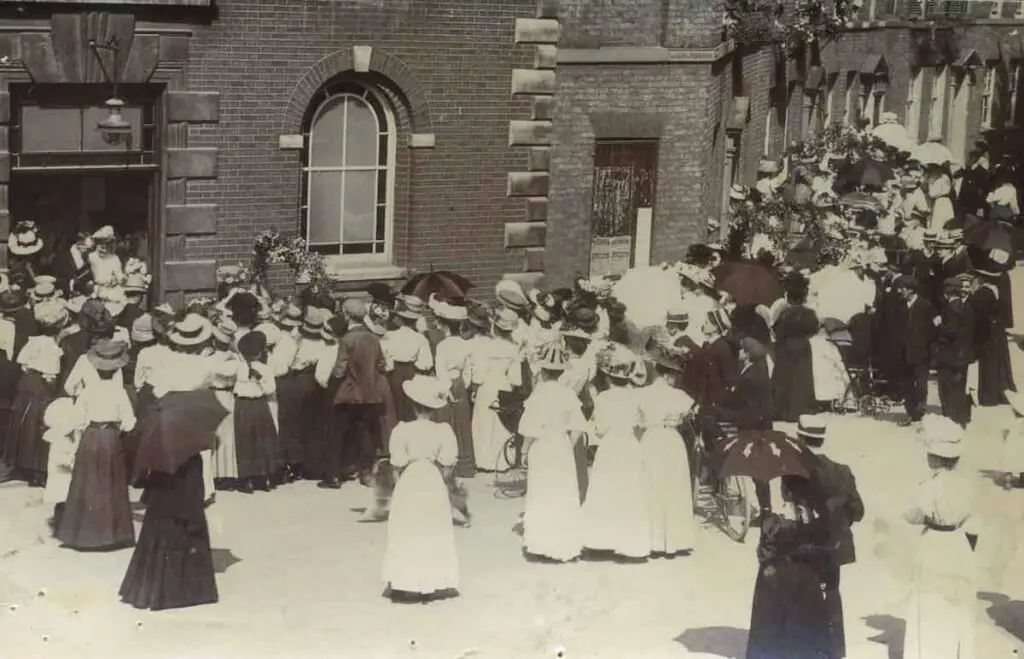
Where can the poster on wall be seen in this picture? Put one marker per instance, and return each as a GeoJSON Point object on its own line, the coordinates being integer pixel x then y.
{"type": "Point", "coordinates": [610, 256]}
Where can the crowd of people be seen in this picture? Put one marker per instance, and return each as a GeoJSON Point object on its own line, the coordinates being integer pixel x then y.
{"type": "Point", "coordinates": [594, 383]}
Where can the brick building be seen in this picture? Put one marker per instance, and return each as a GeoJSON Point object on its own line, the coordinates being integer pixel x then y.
{"type": "Point", "coordinates": [652, 108]}
{"type": "Point", "coordinates": [253, 114]}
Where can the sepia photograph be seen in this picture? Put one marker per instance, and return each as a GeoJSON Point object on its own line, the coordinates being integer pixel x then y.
{"type": "Point", "coordinates": [511, 329]}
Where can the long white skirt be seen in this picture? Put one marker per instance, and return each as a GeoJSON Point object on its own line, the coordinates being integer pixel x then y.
{"type": "Point", "coordinates": [615, 514]}
{"type": "Point", "coordinates": [669, 496]}
{"type": "Point", "coordinates": [225, 460]}
{"type": "Point", "coordinates": [420, 555]}
{"type": "Point", "coordinates": [552, 523]}
{"type": "Point", "coordinates": [940, 616]}
{"type": "Point", "coordinates": [489, 434]}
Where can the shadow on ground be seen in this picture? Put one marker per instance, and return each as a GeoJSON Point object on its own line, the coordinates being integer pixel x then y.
{"type": "Point", "coordinates": [223, 559]}
{"type": "Point", "coordinates": [1006, 613]}
{"type": "Point", "coordinates": [728, 642]}
{"type": "Point", "coordinates": [892, 630]}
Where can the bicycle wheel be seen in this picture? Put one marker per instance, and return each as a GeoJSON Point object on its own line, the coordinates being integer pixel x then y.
{"type": "Point", "coordinates": [733, 505]}
{"type": "Point", "coordinates": [512, 452]}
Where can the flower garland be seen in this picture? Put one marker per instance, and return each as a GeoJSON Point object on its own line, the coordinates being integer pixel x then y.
{"type": "Point", "coordinates": [757, 22]}
{"type": "Point", "coordinates": [271, 248]}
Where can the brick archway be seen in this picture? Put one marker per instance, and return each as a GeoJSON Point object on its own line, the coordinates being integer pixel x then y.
{"type": "Point", "coordinates": [342, 61]}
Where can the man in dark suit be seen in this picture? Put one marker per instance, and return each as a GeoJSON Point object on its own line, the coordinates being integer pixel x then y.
{"type": "Point", "coordinates": [835, 489]}
{"type": "Point", "coordinates": [922, 319]}
{"type": "Point", "coordinates": [954, 351]}
{"type": "Point", "coordinates": [352, 441]}
{"type": "Point", "coordinates": [70, 265]}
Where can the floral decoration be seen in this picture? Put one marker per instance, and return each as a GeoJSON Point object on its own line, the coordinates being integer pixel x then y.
{"type": "Point", "coordinates": [758, 22]}
{"type": "Point", "coordinates": [271, 248]}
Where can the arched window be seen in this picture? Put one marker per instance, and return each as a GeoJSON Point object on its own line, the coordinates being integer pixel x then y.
{"type": "Point", "coordinates": [348, 191]}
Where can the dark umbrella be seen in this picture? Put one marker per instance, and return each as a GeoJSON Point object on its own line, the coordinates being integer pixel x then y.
{"type": "Point", "coordinates": [987, 235]}
{"type": "Point", "coordinates": [752, 283]}
{"type": "Point", "coordinates": [179, 425]}
{"type": "Point", "coordinates": [763, 455]}
{"type": "Point", "coordinates": [440, 282]}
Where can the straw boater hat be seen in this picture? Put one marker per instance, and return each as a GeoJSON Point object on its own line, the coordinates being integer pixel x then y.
{"type": "Point", "coordinates": [451, 312]}
{"type": "Point", "coordinates": [191, 330]}
{"type": "Point", "coordinates": [510, 294]}
{"type": "Point", "coordinates": [553, 357]}
{"type": "Point", "coordinates": [290, 318]}
{"type": "Point", "coordinates": [43, 291]}
{"type": "Point", "coordinates": [660, 355]}
{"type": "Point", "coordinates": [677, 315]}
{"type": "Point", "coordinates": [108, 355]}
{"type": "Point", "coordinates": [312, 324]}
{"type": "Point", "coordinates": [136, 283]}
{"type": "Point", "coordinates": [426, 391]}
{"type": "Point", "coordinates": [940, 436]}
{"type": "Point", "coordinates": [142, 329]}
{"type": "Point", "coordinates": [51, 313]}
{"type": "Point", "coordinates": [812, 428]}
{"type": "Point", "coordinates": [376, 319]}
{"type": "Point", "coordinates": [25, 240]}
{"type": "Point", "coordinates": [410, 307]}
{"type": "Point", "coordinates": [225, 330]}
{"type": "Point", "coordinates": [506, 320]}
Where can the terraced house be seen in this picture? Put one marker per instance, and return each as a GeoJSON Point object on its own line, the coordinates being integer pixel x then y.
{"type": "Point", "coordinates": [523, 138]}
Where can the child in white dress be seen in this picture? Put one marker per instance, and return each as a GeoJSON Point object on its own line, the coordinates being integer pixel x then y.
{"type": "Point", "coordinates": [63, 423]}
{"type": "Point", "coordinates": [420, 561]}
{"type": "Point", "coordinates": [551, 423]}
{"type": "Point", "coordinates": [616, 515]}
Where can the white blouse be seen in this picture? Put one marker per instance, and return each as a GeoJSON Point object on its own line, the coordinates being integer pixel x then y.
{"type": "Point", "coordinates": [943, 499]}
{"type": "Point", "coordinates": [552, 409]}
{"type": "Point", "coordinates": [41, 354]}
{"type": "Point", "coordinates": [407, 346]}
{"type": "Point", "coordinates": [182, 372]}
{"type": "Point", "coordinates": [106, 270]}
{"type": "Point", "coordinates": [450, 360]}
{"type": "Point", "coordinates": [106, 401]}
{"type": "Point", "coordinates": [149, 360]}
{"type": "Point", "coordinates": [282, 355]}
{"type": "Point", "coordinates": [246, 386]}
{"type": "Point", "coordinates": [663, 406]}
{"type": "Point", "coordinates": [412, 441]}
{"type": "Point", "coordinates": [83, 374]}
{"type": "Point", "coordinates": [7, 332]}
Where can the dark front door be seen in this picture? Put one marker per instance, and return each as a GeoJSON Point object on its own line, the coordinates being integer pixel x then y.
{"type": "Point", "coordinates": [624, 181]}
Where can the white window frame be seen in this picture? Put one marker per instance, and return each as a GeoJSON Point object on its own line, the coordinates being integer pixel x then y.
{"type": "Point", "coordinates": [997, 9]}
{"type": "Point", "coordinates": [912, 114]}
{"type": "Point", "coordinates": [830, 99]}
{"type": "Point", "coordinates": [769, 119]}
{"type": "Point", "coordinates": [937, 103]}
{"type": "Point", "coordinates": [1014, 89]}
{"type": "Point", "coordinates": [344, 261]}
{"type": "Point", "coordinates": [988, 92]}
{"type": "Point", "coordinates": [1020, 9]}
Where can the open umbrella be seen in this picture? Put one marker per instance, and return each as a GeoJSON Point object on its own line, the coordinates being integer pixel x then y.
{"type": "Point", "coordinates": [763, 455]}
{"type": "Point", "coordinates": [932, 153]}
{"type": "Point", "coordinates": [987, 235]}
{"type": "Point", "coordinates": [895, 136]}
{"type": "Point", "coordinates": [752, 283]}
{"type": "Point", "coordinates": [440, 282]}
{"type": "Point", "coordinates": [179, 425]}
{"type": "Point", "coordinates": [861, 201]}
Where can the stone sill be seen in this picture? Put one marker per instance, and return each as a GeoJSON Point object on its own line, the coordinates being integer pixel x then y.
{"type": "Point", "coordinates": [642, 54]}
{"type": "Point", "coordinates": [341, 270]}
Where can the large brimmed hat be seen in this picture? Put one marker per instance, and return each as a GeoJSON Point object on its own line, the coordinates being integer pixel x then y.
{"type": "Point", "coordinates": [142, 329]}
{"type": "Point", "coordinates": [940, 436]}
{"type": "Point", "coordinates": [25, 240]}
{"type": "Point", "coordinates": [191, 330]}
{"type": "Point", "coordinates": [449, 311]}
{"type": "Point", "coordinates": [225, 330]}
{"type": "Point", "coordinates": [511, 295]}
{"type": "Point", "coordinates": [427, 391]}
{"type": "Point", "coordinates": [252, 345]}
{"type": "Point", "coordinates": [51, 313]}
{"type": "Point", "coordinates": [552, 356]}
{"type": "Point", "coordinates": [720, 319]}
{"type": "Point", "coordinates": [478, 316]}
{"type": "Point", "coordinates": [12, 300]}
{"type": "Point", "coordinates": [584, 318]}
{"type": "Point", "coordinates": [506, 320]}
{"type": "Point", "coordinates": [312, 324]}
{"type": "Point", "coordinates": [677, 314]}
{"type": "Point", "coordinates": [616, 361]}
{"type": "Point", "coordinates": [108, 355]}
{"type": "Point", "coordinates": [662, 356]}
{"type": "Point", "coordinates": [376, 319]}
{"type": "Point", "coordinates": [43, 291]}
{"type": "Point", "coordinates": [104, 234]}
{"type": "Point", "coordinates": [290, 318]}
{"type": "Point", "coordinates": [812, 427]}
{"type": "Point", "coordinates": [410, 307]}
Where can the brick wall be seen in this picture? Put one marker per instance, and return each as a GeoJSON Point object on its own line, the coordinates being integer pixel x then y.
{"type": "Point", "coordinates": [450, 200]}
{"type": "Point", "coordinates": [679, 93]}
{"type": "Point", "coordinates": [669, 23]}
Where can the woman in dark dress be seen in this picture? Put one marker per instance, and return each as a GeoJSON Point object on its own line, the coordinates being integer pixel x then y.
{"type": "Point", "coordinates": [300, 397]}
{"type": "Point", "coordinates": [788, 619]}
{"type": "Point", "coordinates": [995, 374]}
{"type": "Point", "coordinates": [793, 379]}
{"type": "Point", "coordinates": [256, 438]}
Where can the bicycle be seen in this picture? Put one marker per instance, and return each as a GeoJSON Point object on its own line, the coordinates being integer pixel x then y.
{"type": "Point", "coordinates": [728, 496]}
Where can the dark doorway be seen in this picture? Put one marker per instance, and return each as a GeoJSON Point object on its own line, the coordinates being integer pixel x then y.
{"type": "Point", "coordinates": [65, 203]}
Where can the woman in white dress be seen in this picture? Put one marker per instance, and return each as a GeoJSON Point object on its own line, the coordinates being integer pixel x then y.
{"type": "Point", "coordinates": [940, 619]}
{"type": "Point", "coordinates": [225, 370]}
{"type": "Point", "coordinates": [616, 516]}
{"type": "Point", "coordinates": [420, 561]}
{"type": "Point", "coordinates": [551, 423]}
{"type": "Point", "coordinates": [495, 365]}
{"type": "Point", "coordinates": [666, 463]}
{"type": "Point", "coordinates": [106, 267]}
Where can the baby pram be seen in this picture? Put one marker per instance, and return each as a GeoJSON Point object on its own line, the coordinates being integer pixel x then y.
{"type": "Point", "coordinates": [865, 393]}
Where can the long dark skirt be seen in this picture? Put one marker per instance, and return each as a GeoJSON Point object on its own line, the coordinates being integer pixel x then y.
{"type": "Point", "coordinates": [144, 400]}
{"type": "Point", "coordinates": [172, 566]}
{"type": "Point", "coordinates": [1005, 299]}
{"type": "Point", "coordinates": [788, 619]}
{"type": "Point", "coordinates": [26, 451]}
{"type": "Point", "coordinates": [316, 457]}
{"type": "Point", "coordinates": [290, 421]}
{"type": "Point", "coordinates": [793, 380]}
{"type": "Point", "coordinates": [402, 372]}
{"type": "Point", "coordinates": [256, 443]}
{"type": "Point", "coordinates": [995, 373]}
{"type": "Point", "coordinates": [459, 415]}
{"type": "Point", "coordinates": [98, 514]}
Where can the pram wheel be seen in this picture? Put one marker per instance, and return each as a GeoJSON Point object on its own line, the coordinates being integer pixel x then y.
{"type": "Point", "coordinates": [868, 406]}
{"type": "Point", "coordinates": [838, 406]}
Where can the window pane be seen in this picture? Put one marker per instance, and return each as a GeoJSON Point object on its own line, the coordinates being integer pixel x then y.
{"type": "Point", "coordinates": [382, 149]}
{"type": "Point", "coordinates": [382, 221]}
{"type": "Point", "coordinates": [357, 248]}
{"type": "Point", "coordinates": [382, 186]}
{"type": "Point", "coordinates": [50, 129]}
{"type": "Point", "coordinates": [360, 207]}
{"type": "Point", "coordinates": [362, 135]}
{"type": "Point", "coordinates": [325, 207]}
{"type": "Point", "coordinates": [326, 143]}
{"type": "Point", "coordinates": [92, 137]}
